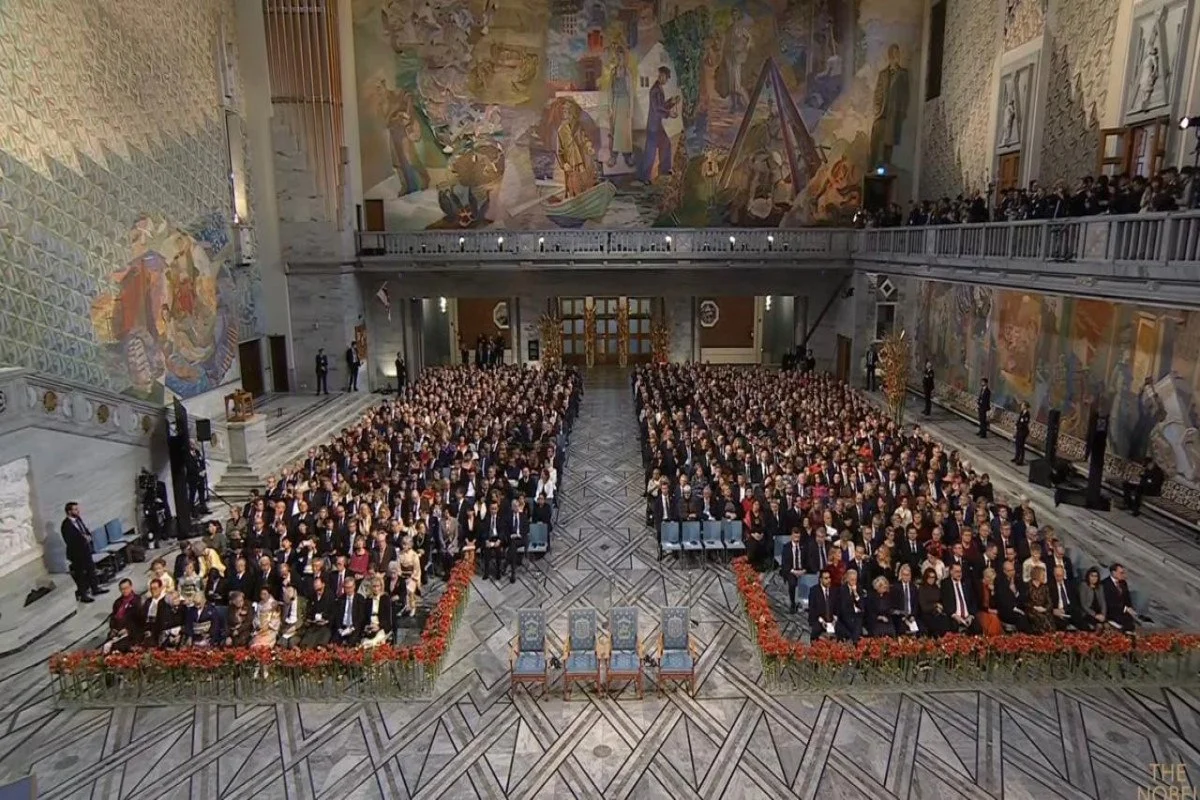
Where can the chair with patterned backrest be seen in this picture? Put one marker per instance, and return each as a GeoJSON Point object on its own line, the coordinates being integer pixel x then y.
{"type": "Point", "coordinates": [625, 648]}
{"type": "Point", "coordinates": [529, 663]}
{"type": "Point", "coordinates": [677, 650]}
{"type": "Point", "coordinates": [581, 657]}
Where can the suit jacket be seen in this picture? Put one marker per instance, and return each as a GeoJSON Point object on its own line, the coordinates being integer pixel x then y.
{"type": "Point", "coordinates": [1116, 596]}
{"type": "Point", "coordinates": [812, 555]}
{"type": "Point", "coordinates": [323, 605]}
{"type": "Point", "coordinates": [851, 605]}
{"type": "Point", "coordinates": [819, 609]}
{"type": "Point", "coordinates": [521, 528]}
{"type": "Point", "coordinates": [789, 562]}
{"type": "Point", "coordinates": [898, 592]}
{"type": "Point", "coordinates": [79, 542]}
{"type": "Point", "coordinates": [983, 403]}
{"type": "Point", "coordinates": [358, 613]}
{"type": "Point", "coordinates": [949, 603]}
{"type": "Point", "coordinates": [1007, 602]}
{"type": "Point", "coordinates": [1056, 597]}
{"type": "Point", "coordinates": [669, 513]}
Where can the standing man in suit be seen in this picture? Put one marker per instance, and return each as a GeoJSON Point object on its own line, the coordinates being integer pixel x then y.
{"type": "Point", "coordinates": [79, 555]}
{"type": "Point", "coordinates": [401, 373]}
{"type": "Point", "coordinates": [322, 371]}
{"type": "Point", "coordinates": [352, 365]}
{"type": "Point", "coordinates": [872, 364]}
{"type": "Point", "coordinates": [822, 618]}
{"type": "Point", "coordinates": [927, 387]}
{"type": "Point", "coordinates": [791, 568]}
{"type": "Point", "coordinates": [1022, 433]}
{"type": "Point", "coordinates": [983, 407]}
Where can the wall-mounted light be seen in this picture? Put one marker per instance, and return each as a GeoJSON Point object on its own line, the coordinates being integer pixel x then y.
{"type": "Point", "coordinates": [462, 242]}
{"type": "Point", "coordinates": [767, 303]}
{"type": "Point", "coordinates": [442, 304]}
{"type": "Point", "coordinates": [1188, 122]}
{"type": "Point", "coordinates": [500, 242]}
{"type": "Point", "coordinates": [541, 243]}
{"type": "Point", "coordinates": [732, 240]}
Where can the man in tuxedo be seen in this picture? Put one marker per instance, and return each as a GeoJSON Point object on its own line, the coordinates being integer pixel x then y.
{"type": "Point", "coordinates": [349, 615]}
{"type": "Point", "coordinates": [322, 371]}
{"type": "Point", "coordinates": [792, 567]}
{"type": "Point", "coordinates": [516, 533]}
{"type": "Point", "coordinates": [983, 407]}
{"type": "Point", "coordinates": [1062, 601]}
{"type": "Point", "coordinates": [79, 554]}
{"type": "Point", "coordinates": [492, 541]}
{"type": "Point", "coordinates": [352, 365]}
{"type": "Point", "coordinates": [318, 615]}
{"type": "Point", "coordinates": [927, 387]}
{"type": "Point", "coordinates": [1118, 600]}
{"type": "Point", "coordinates": [822, 614]}
{"type": "Point", "coordinates": [959, 602]}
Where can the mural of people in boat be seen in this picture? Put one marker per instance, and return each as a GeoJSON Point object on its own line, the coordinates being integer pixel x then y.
{"type": "Point", "coordinates": [529, 114]}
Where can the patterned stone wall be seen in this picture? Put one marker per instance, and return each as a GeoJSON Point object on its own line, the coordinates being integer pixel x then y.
{"type": "Point", "coordinates": [1081, 44]}
{"type": "Point", "coordinates": [955, 135]}
{"type": "Point", "coordinates": [112, 124]}
{"type": "Point", "coordinates": [1023, 21]}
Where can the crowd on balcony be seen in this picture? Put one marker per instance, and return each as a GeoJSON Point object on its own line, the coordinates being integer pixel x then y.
{"type": "Point", "coordinates": [337, 547]}
{"type": "Point", "coordinates": [1170, 190]}
{"type": "Point", "coordinates": [885, 531]}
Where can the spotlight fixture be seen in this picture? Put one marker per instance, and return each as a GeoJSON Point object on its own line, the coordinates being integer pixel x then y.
{"type": "Point", "coordinates": [442, 304]}
{"type": "Point", "coordinates": [767, 303]}
{"type": "Point", "coordinates": [462, 243]}
{"type": "Point", "coordinates": [667, 239]}
{"type": "Point", "coordinates": [732, 239]}
{"type": "Point", "coordinates": [1188, 122]}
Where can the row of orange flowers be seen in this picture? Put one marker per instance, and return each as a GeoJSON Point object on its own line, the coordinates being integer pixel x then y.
{"type": "Point", "coordinates": [873, 651]}
{"type": "Point", "coordinates": [323, 661]}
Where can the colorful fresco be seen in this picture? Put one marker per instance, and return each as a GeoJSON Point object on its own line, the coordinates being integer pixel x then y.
{"type": "Point", "coordinates": [168, 321]}
{"type": "Point", "coordinates": [1073, 353]}
{"type": "Point", "coordinates": [612, 113]}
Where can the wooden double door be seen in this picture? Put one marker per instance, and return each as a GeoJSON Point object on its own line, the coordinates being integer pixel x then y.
{"type": "Point", "coordinates": [594, 324]}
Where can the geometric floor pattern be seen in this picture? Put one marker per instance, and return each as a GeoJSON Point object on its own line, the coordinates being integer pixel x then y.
{"type": "Point", "coordinates": [733, 740]}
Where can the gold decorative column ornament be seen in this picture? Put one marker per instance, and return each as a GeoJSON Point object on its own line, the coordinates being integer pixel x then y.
{"type": "Point", "coordinates": [895, 358]}
{"type": "Point", "coordinates": [623, 332]}
{"type": "Point", "coordinates": [660, 340]}
{"type": "Point", "coordinates": [550, 326]}
{"type": "Point", "coordinates": [589, 326]}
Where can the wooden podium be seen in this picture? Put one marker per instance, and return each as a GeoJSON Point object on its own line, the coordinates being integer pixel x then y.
{"type": "Point", "coordinates": [239, 406]}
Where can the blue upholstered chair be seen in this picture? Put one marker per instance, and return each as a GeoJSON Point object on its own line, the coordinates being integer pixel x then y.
{"type": "Point", "coordinates": [539, 539]}
{"type": "Point", "coordinates": [690, 540]}
{"type": "Point", "coordinates": [710, 537]}
{"type": "Point", "coordinates": [581, 658]}
{"type": "Point", "coordinates": [677, 650]}
{"type": "Point", "coordinates": [668, 539]}
{"type": "Point", "coordinates": [529, 663]}
{"type": "Point", "coordinates": [780, 543]}
{"type": "Point", "coordinates": [731, 533]}
{"type": "Point", "coordinates": [625, 649]}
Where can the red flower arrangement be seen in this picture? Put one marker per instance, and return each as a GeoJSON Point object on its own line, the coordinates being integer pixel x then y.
{"type": "Point", "coordinates": [1068, 657]}
{"type": "Point", "coordinates": [386, 669]}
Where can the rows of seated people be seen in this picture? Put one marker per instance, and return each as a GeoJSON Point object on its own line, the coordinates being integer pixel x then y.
{"type": "Point", "coordinates": [874, 529]}
{"type": "Point", "coordinates": [337, 547]}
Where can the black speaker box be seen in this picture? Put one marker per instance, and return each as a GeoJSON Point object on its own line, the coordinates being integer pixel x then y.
{"type": "Point", "coordinates": [1053, 422]}
{"type": "Point", "coordinates": [1074, 496]}
{"type": "Point", "coordinates": [1040, 471]}
{"type": "Point", "coordinates": [203, 430]}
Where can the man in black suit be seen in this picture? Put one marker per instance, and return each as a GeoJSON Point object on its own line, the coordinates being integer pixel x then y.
{"type": "Point", "coordinates": [492, 541]}
{"type": "Point", "coordinates": [322, 371]}
{"type": "Point", "coordinates": [791, 569]}
{"type": "Point", "coordinates": [904, 603]}
{"type": "Point", "coordinates": [1118, 600]}
{"type": "Point", "coordinates": [157, 615]}
{"type": "Point", "coordinates": [822, 614]}
{"type": "Point", "coordinates": [927, 387]}
{"type": "Point", "coordinates": [983, 407]}
{"type": "Point", "coordinates": [872, 365]}
{"type": "Point", "coordinates": [516, 533]}
{"type": "Point", "coordinates": [352, 365]}
{"type": "Point", "coordinates": [851, 605]}
{"type": "Point", "coordinates": [1009, 598]}
{"type": "Point", "coordinates": [663, 509]}
{"type": "Point", "coordinates": [349, 615]}
{"type": "Point", "coordinates": [1021, 435]}
{"type": "Point", "coordinates": [959, 602]}
{"type": "Point", "coordinates": [318, 615]}
{"type": "Point", "coordinates": [401, 373]}
{"type": "Point", "coordinates": [79, 554]}
{"type": "Point", "coordinates": [1149, 482]}
{"type": "Point", "coordinates": [816, 552]}
{"type": "Point", "coordinates": [1062, 601]}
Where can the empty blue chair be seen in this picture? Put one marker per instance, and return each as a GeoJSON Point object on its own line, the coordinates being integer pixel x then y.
{"type": "Point", "coordinates": [731, 532]}
{"type": "Point", "coordinates": [691, 537]}
{"type": "Point", "coordinates": [581, 657]}
{"type": "Point", "coordinates": [780, 543]}
{"type": "Point", "coordinates": [528, 662]}
{"type": "Point", "coordinates": [668, 538]}
{"type": "Point", "coordinates": [539, 539]}
{"type": "Point", "coordinates": [710, 537]}
{"type": "Point", "coordinates": [677, 649]}
{"type": "Point", "coordinates": [625, 649]}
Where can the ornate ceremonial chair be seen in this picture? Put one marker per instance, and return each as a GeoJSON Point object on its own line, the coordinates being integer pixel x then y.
{"type": "Point", "coordinates": [677, 649]}
{"type": "Point", "coordinates": [529, 663]}
{"type": "Point", "coordinates": [625, 649]}
{"type": "Point", "coordinates": [581, 658]}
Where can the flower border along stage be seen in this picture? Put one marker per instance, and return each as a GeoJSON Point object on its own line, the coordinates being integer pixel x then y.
{"type": "Point", "coordinates": [238, 674]}
{"type": "Point", "coordinates": [1068, 659]}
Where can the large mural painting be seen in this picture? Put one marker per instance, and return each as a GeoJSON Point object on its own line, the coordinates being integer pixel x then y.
{"type": "Point", "coordinates": [610, 113]}
{"type": "Point", "coordinates": [168, 320]}
{"type": "Point", "coordinates": [1072, 354]}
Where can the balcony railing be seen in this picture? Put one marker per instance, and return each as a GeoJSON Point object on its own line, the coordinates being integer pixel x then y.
{"type": "Point", "coordinates": [1148, 239]}
{"type": "Point", "coordinates": [592, 245]}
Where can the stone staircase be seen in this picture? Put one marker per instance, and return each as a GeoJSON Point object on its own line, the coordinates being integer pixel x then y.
{"type": "Point", "coordinates": [292, 440]}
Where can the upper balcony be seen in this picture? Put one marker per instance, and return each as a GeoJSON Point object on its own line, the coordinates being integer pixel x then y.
{"type": "Point", "coordinates": [1153, 257]}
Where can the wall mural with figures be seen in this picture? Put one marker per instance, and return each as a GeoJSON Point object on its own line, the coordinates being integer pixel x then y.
{"type": "Point", "coordinates": [1071, 353]}
{"type": "Point", "coordinates": [612, 113]}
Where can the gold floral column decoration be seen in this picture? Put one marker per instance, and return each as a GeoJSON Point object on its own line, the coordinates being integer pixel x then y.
{"type": "Point", "coordinates": [894, 358]}
{"type": "Point", "coordinates": [660, 340]}
{"type": "Point", "coordinates": [623, 332]}
{"type": "Point", "coordinates": [589, 328]}
{"type": "Point", "coordinates": [550, 326]}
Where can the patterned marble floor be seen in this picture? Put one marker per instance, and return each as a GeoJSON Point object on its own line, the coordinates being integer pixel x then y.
{"type": "Point", "coordinates": [472, 740]}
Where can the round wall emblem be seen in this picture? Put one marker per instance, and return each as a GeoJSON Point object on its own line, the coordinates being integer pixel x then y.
{"type": "Point", "coordinates": [500, 315]}
{"type": "Point", "coordinates": [50, 401]}
{"type": "Point", "coordinates": [102, 414]}
{"type": "Point", "coordinates": [710, 312]}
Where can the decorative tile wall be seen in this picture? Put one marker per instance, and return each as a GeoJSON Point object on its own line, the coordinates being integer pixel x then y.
{"type": "Point", "coordinates": [112, 114]}
{"type": "Point", "coordinates": [955, 136]}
